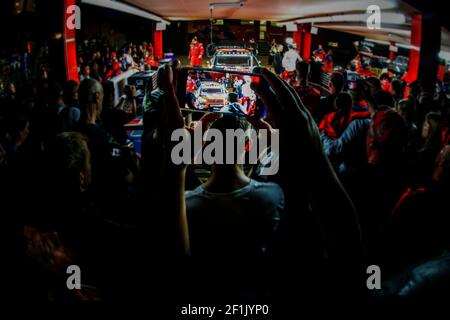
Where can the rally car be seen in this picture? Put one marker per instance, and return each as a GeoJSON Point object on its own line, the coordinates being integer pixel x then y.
{"type": "Point", "coordinates": [367, 64]}
{"type": "Point", "coordinates": [211, 95]}
{"type": "Point", "coordinates": [234, 59]}
{"type": "Point", "coordinates": [399, 65]}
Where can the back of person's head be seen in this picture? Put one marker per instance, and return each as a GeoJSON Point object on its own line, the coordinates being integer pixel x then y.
{"type": "Point", "coordinates": [71, 91]}
{"type": "Point", "coordinates": [385, 76]}
{"type": "Point", "coordinates": [230, 122]}
{"type": "Point", "coordinates": [426, 102]}
{"type": "Point", "coordinates": [415, 88]}
{"type": "Point", "coordinates": [68, 162]}
{"type": "Point", "coordinates": [232, 97]}
{"type": "Point", "coordinates": [343, 103]}
{"type": "Point", "coordinates": [90, 95]}
{"type": "Point", "coordinates": [432, 130]}
{"type": "Point", "coordinates": [55, 92]}
{"type": "Point", "coordinates": [239, 126]}
{"type": "Point", "coordinates": [383, 98]}
{"type": "Point", "coordinates": [406, 108]}
{"type": "Point", "coordinates": [374, 83]}
{"type": "Point", "coordinates": [388, 135]}
{"type": "Point", "coordinates": [337, 82]}
{"type": "Point", "coordinates": [302, 70]}
{"type": "Point", "coordinates": [398, 88]}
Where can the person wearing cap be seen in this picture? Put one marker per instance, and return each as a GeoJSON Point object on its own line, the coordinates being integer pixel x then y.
{"type": "Point", "coordinates": [290, 59]}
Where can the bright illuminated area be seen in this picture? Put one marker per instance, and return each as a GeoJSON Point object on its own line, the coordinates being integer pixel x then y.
{"type": "Point", "coordinates": [226, 159]}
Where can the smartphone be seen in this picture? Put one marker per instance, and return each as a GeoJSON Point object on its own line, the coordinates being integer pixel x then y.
{"type": "Point", "coordinates": [215, 90]}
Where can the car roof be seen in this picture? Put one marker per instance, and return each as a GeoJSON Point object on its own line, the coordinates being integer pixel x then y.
{"type": "Point", "coordinates": [211, 84]}
{"type": "Point", "coordinates": [233, 52]}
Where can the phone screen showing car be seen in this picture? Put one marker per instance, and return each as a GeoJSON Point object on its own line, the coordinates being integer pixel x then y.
{"type": "Point", "coordinates": [220, 91]}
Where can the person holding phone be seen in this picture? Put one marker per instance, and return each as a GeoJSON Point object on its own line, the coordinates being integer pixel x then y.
{"type": "Point", "coordinates": [313, 172]}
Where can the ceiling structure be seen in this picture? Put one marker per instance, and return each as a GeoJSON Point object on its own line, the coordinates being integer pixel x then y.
{"type": "Point", "coordinates": [274, 10]}
{"type": "Point", "coordinates": [341, 15]}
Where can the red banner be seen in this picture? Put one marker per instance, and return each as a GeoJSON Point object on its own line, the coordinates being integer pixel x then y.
{"type": "Point", "coordinates": [414, 52]}
{"type": "Point", "coordinates": [158, 44]}
{"type": "Point", "coordinates": [306, 53]}
{"type": "Point", "coordinates": [70, 46]}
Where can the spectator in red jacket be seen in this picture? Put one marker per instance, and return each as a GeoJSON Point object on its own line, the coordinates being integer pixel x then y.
{"type": "Point", "coordinates": [190, 84]}
{"type": "Point", "coordinates": [115, 71]}
{"type": "Point", "coordinates": [334, 124]}
{"type": "Point", "coordinates": [319, 54]}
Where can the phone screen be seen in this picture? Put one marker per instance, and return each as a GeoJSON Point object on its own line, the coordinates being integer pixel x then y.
{"type": "Point", "coordinates": [220, 91]}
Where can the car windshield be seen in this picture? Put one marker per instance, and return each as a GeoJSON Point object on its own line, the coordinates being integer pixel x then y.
{"type": "Point", "coordinates": [212, 91]}
{"type": "Point", "coordinates": [399, 59]}
{"type": "Point", "coordinates": [242, 61]}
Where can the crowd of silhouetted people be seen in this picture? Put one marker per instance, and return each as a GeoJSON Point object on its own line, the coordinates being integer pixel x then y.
{"type": "Point", "coordinates": [363, 179]}
{"type": "Point", "coordinates": [101, 61]}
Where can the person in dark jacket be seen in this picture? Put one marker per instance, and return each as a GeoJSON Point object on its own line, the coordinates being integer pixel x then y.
{"type": "Point", "coordinates": [278, 60]}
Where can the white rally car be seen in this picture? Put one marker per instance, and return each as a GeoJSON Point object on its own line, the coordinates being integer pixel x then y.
{"type": "Point", "coordinates": [212, 95]}
{"type": "Point", "coordinates": [234, 59]}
